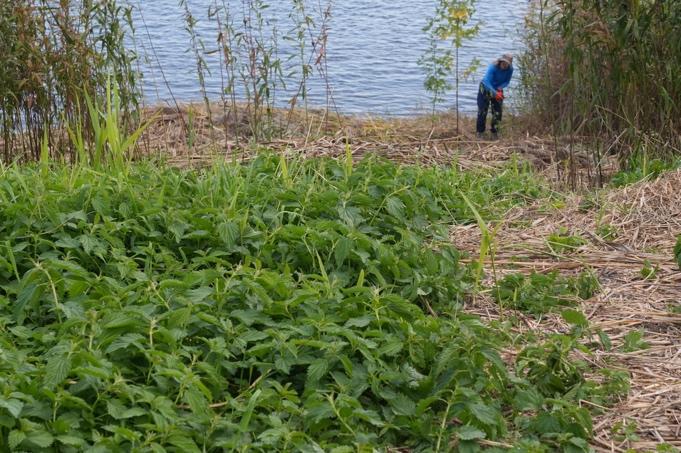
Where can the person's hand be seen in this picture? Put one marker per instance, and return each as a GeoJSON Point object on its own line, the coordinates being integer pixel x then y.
{"type": "Point", "coordinates": [500, 95]}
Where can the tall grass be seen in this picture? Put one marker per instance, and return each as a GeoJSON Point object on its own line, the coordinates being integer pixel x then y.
{"type": "Point", "coordinates": [609, 70]}
{"type": "Point", "coordinates": [265, 64]}
{"type": "Point", "coordinates": [55, 54]}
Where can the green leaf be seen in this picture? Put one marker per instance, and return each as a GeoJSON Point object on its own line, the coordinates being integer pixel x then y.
{"type": "Point", "coordinates": [484, 413]}
{"type": "Point", "coordinates": [342, 450]}
{"type": "Point", "coordinates": [248, 413]}
{"type": "Point", "coordinates": [360, 322]}
{"type": "Point", "coordinates": [342, 250]}
{"type": "Point", "coordinates": [183, 443]}
{"type": "Point", "coordinates": [199, 294]}
{"type": "Point", "coordinates": [248, 317]}
{"type": "Point", "coordinates": [56, 370]}
{"type": "Point", "coordinates": [124, 341]}
{"type": "Point", "coordinates": [317, 369]}
{"type": "Point", "coordinates": [29, 295]}
{"type": "Point", "coordinates": [395, 207]}
{"type": "Point", "coordinates": [89, 243]}
{"type": "Point", "coordinates": [72, 441]}
{"type": "Point", "coordinates": [13, 406]}
{"type": "Point", "coordinates": [197, 402]}
{"type": "Point", "coordinates": [15, 438]}
{"type": "Point", "coordinates": [229, 233]}
{"type": "Point", "coordinates": [605, 340]}
{"type": "Point", "coordinates": [391, 349]}
{"type": "Point", "coordinates": [468, 432]}
{"type": "Point", "coordinates": [528, 400]}
{"type": "Point", "coordinates": [41, 438]}
{"type": "Point", "coordinates": [118, 411]}
{"type": "Point", "coordinates": [402, 405]}
{"type": "Point", "coordinates": [574, 317]}
{"type": "Point", "coordinates": [677, 251]}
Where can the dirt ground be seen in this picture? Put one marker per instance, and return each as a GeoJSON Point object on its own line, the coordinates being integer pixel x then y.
{"type": "Point", "coordinates": [644, 220]}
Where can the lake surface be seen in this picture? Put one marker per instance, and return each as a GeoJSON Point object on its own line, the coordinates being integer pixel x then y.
{"type": "Point", "coordinates": [372, 53]}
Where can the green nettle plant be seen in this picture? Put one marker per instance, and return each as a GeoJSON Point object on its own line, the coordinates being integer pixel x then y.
{"type": "Point", "coordinates": [451, 25]}
{"type": "Point", "coordinates": [275, 305]}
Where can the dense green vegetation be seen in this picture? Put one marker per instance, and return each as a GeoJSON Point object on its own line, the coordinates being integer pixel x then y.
{"type": "Point", "coordinates": [608, 70]}
{"type": "Point", "coordinates": [274, 306]}
{"type": "Point", "coordinates": [540, 293]}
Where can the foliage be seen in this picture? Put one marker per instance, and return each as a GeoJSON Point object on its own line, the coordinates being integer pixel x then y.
{"type": "Point", "coordinates": [540, 293]}
{"type": "Point", "coordinates": [451, 24]}
{"type": "Point", "coordinates": [606, 231]}
{"type": "Point", "coordinates": [54, 55]}
{"type": "Point", "coordinates": [257, 70]}
{"type": "Point", "coordinates": [677, 251]}
{"type": "Point", "coordinates": [276, 306]}
{"type": "Point", "coordinates": [562, 241]}
{"type": "Point", "coordinates": [633, 341]}
{"type": "Point", "coordinates": [607, 69]}
{"type": "Point", "coordinates": [648, 271]}
{"type": "Point", "coordinates": [641, 168]}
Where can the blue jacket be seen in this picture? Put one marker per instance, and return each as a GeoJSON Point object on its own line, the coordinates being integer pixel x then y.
{"type": "Point", "coordinates": [497, 78]}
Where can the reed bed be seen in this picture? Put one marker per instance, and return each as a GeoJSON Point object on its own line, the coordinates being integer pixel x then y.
{"type": "Point", "coordinates": [609, 70]}
{"type": "Point", "coordinates": [55, 56]}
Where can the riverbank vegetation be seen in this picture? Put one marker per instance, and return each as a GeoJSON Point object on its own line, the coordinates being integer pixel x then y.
{"type": "Point", "coordinates": [236, 276]}
{"type": "Point", "coordinates": [608, 72]}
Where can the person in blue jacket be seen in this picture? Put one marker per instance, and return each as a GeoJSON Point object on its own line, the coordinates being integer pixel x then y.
{"type": "Point", "coordinates": [491, 91]}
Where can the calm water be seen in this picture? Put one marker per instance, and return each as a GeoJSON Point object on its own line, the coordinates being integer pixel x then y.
{"type": "Point", "coordinates": [373, 50]}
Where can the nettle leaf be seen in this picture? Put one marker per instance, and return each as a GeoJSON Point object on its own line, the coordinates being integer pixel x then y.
{"type": "Point", "coordinates": [271, 436]}
{"type": "Point", "coordinates": [248, 317]}
{"type": "Point", "coordinates": [391, 349]}
{"type": "Point", "coordinates": [197, 402]}
{"type": "Point", "coordinates": [199, 294]}
{"type": "Point", "coordinates": [90, 244]}
{"type": "Point", "coordinates": [68, 242]}
{"type": "Point", "coordinates": [574, 317]}
{"type": "Point", "coordinates": [402, 405]}
{"type": "Point", "coordinates": [360, 322]}
{"type": "Point", "coordinates": [75, 215]}
{"type": "Point", "coordinates": [41, 438]}
{"type": "Point", "coordinates": [178, 228]}
{"type": "Point", "coordinates": [395, 207]}
{"type": "Point", "coordinates": [15, 438]}
{"type": "Point", "coordinates": [317, 369]}
{"type": "Point", "coordinates": [229, 233]}
{"type": "Point", "coordinates": [484, 413]}
{"type": "Point", "coordinates": [124, 341]}
{"type": "Point", "coordinates": [528, 400]}
{"type": "Point", "coordinates": [248, 413]}
{"type": "Point", "coordinates": [342, 450]}
{"type": "Point", "coordinates": [468, 432]}
{"type": "Point", "coordinates": [121, 320]}
{"type": "Point", "coordinates": [253, 336]}
{"type": "Point", "coordinates": [118, 411]}
{"type": "Point", "coordinates": [13, 406]}
{"type": "Point", "coordinates": [71, 441]}
{"type": "Point", "coordinates": [342, 250]}
{"type": "Point", "coordinates": [57, 370]}
{"type": "Point", "coordinates": [28, 296]}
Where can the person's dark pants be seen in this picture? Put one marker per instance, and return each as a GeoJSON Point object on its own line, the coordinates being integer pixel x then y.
{"type": "Point", "coordinates": [485, 98]}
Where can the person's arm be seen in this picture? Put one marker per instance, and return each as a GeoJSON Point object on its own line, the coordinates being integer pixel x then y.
{"type": "Point", "coordinates": [489, 77]}
{"type": "Point", "coordinates": [508, 79]}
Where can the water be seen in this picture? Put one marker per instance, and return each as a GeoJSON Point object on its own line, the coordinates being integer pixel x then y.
{"type": "Point", "coordinates": [373, 50]}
